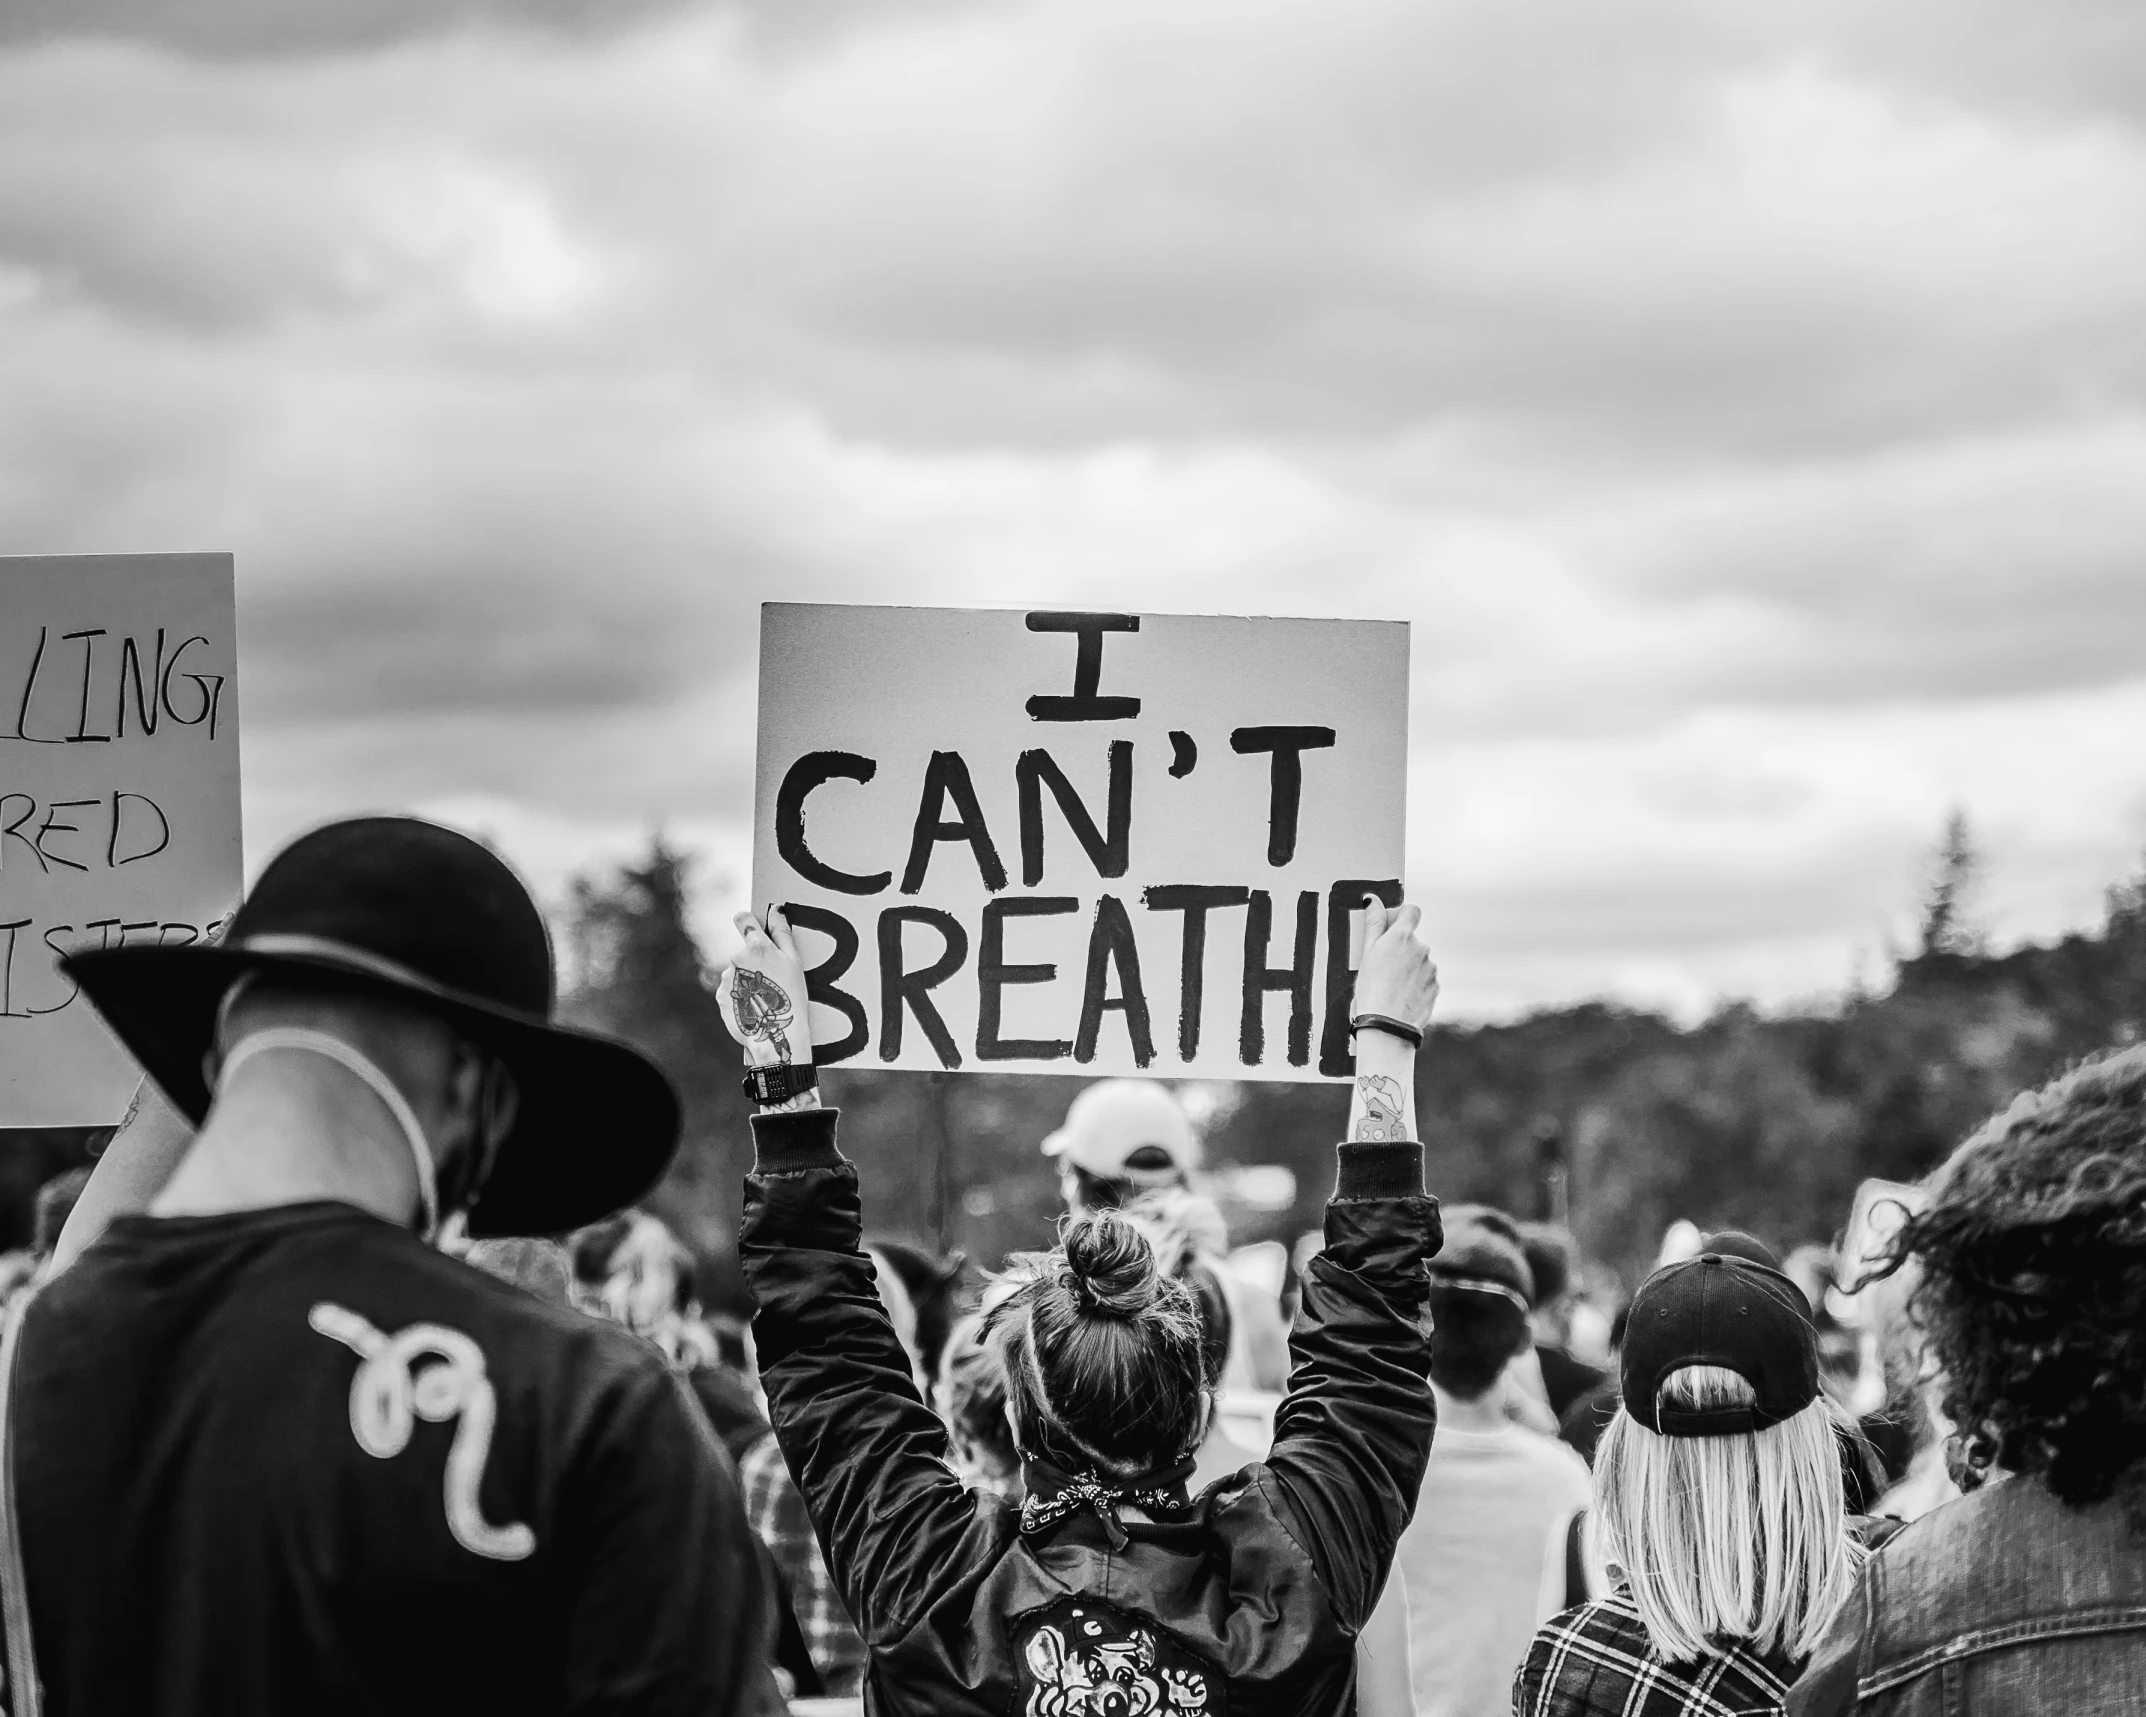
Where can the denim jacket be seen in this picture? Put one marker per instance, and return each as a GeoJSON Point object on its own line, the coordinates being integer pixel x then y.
{"type": "Point", "coordinates": [2001, 1604]}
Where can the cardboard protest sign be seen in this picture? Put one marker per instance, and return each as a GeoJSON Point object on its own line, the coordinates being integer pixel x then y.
{"type": "Point", "coordinates": [119, 807]}
{"type": "Point", "coordinates": [1050, 842]}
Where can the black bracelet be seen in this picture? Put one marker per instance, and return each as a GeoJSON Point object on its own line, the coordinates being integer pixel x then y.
{"type": "Point", "coordinates": [1392, 1027]}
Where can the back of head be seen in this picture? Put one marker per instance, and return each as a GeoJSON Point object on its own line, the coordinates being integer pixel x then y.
{"type": "Point", "coordinates": [1739, 1536]}
{"type": "Point", "coordinates": [972, 1399]}
{"type": "Point", "coordinates": [634, 1270]}
{"type": "Point", "coordinates": [2032, 1248]}
{"type": "Point", "coordinates": [1122, 1137]}
{"type": "Point", "coordinates": [1735, 1243]}
{"type": "Point", "coordinates": [1473, 1340]}
{"type": "Point", "coordinates": [1550, 1254]}
{"type": "Point", "coordinates": [391, 1028]}
{"type": "Point", "coordinates": [933, 1285]}
{"type": "Point", "coordinates": [1481, 1293]}
{"type": "Point", "coordinates": [1102, 1353]}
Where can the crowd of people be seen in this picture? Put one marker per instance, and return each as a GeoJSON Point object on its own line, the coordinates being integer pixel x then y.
{"type": "Point", "coordinates": [357, 1379]}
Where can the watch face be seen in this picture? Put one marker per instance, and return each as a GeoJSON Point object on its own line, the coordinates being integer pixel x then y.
{"type": "Point", "coordinates": [771, 1084]}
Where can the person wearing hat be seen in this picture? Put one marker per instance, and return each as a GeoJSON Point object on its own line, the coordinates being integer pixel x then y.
{"type": "Point", "coordinates": [1718, 1509]}
{"type": "Point", "coordinates": [1551, 1252]}
{"type": "Point", "coordinates": [2027, 1594]}
{"type": "Point", "coordinates": [271, 1451]}
{"type": "Point", "coordinates": [1483, 1559]}
{"type": "Point", "coordinates": [1126, 1144]}
{"type": "Point", "coordinates": [1121, 1138]}
{"type": "Point", "coordinates": [1109, 1587]}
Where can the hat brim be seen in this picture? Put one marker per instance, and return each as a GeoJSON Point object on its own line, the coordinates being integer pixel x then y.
{"type": "Point", "coordinates": [595, 1126]}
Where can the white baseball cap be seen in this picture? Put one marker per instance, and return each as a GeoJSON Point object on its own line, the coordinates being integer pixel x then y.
{"type": "Point", "coordinates": [1115, 1122]}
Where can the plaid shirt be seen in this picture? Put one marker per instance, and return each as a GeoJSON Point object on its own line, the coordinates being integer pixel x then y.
{"type": "Point", "coordinates": [1596, 1661]}
{"type": "Point", "coordinates": [776, 1513]}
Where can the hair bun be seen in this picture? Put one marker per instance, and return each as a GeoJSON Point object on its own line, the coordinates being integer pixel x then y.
{"type": "Point", "coordinates": [1110, 1267]}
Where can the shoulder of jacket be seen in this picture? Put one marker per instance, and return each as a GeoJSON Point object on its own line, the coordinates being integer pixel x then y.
{"type": "Point", "coordinates": [1251, 1505]}
{"type": "Point", "coordinates": [523, 1335]}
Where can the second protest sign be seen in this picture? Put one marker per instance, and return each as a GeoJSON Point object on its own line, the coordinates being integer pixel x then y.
{"type": "Point", "coordinates": [1047, 842]}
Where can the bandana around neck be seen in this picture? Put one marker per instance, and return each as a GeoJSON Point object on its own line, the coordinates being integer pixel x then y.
{"type": "Point", "coordinates": [1054, 1494]}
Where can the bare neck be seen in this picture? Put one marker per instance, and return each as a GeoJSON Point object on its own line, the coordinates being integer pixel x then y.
{"type": "Point", "coordinates": [285, 1131]}
{"type": "Point", "coordinates": [1485, 1413]}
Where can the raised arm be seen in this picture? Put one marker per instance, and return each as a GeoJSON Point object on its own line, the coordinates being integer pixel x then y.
{"type": "Point", "coordinates": [131, 1172]}
{"type": "Point", "coordinates": [1353, 1433]}
{"type": "Point", "coordinates": [869, 1457]}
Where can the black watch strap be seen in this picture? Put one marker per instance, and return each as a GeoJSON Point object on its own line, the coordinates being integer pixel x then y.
{"type": "Point", "coordinates": [765, 1085]}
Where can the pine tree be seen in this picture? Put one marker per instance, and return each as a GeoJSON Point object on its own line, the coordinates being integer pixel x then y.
{"type": "Point", "coordinates": [2126, 904]}
{"type": "Point", "coordinates": [1948, 921]}
{"type": "Point", "coordinates": [639, 975]}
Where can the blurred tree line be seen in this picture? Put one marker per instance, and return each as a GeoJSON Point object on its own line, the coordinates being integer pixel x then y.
{"type": "Point", "coordinates": [1620, 1117]}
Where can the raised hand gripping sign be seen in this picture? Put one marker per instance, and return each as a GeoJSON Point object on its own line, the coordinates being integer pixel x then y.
{"type": "Point", "coordinates": [1087, 843]}
{"type": "Point", "coordinates": [119, 800]}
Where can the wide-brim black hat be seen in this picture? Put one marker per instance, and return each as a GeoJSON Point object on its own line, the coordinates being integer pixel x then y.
{"type": "Point", "coordinates": [406, 909]}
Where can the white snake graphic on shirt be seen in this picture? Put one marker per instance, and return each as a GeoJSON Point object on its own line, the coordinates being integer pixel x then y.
{"type": "Point", "coordinates": [390, 1393]}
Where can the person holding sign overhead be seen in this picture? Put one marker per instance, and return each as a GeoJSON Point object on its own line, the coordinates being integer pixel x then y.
{"type": "Point", "coordinates": [1107, 1577]}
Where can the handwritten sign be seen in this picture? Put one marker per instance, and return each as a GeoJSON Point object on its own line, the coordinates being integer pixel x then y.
{"type": "Point", "coordinates": [1079, 843]}
{"type": "Point", "coordinates": [119, 807]}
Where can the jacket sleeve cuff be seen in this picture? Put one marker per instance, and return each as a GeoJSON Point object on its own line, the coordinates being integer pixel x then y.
{"type": "Point", "coordinates": [1380, 1171]}
{"type": "Point", "coordinates": [792, 1141]}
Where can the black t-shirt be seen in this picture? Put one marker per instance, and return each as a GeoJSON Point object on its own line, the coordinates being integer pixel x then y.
{"type": "Point", "coordinates": [1565, 1379]}
{"type": "Point", "coordinates": [295, 1461]}
{"type": "Point", "coordinates": [1588, 1417]}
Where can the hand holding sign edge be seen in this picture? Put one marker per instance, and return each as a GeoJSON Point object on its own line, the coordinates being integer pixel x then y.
{"type": "Point", "coordinates": [762, 994]}
{"type": "Point", "coordinates": [1397, 977]}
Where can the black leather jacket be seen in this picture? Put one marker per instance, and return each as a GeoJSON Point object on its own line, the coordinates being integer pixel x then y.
{"type": "Point", "coordinates": [1247, 1600]}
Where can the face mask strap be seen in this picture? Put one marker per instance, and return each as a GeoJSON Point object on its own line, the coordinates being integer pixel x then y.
{"type": "Point", "coordinates": [358, 1064]}
{"type": "Point", "coordinates": [470, 1172]}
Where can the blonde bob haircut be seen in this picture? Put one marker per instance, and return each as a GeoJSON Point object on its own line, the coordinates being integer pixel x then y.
{"type": "Point", "coordinates": [1743, 1537]}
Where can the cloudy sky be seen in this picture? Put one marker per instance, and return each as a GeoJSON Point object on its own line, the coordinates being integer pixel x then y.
{"type": "Point", "coordinates": [1747, 404]}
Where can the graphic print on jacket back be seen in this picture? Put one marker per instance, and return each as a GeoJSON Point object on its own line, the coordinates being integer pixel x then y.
{"type": "Point", "coordinates": [1080, 1658]}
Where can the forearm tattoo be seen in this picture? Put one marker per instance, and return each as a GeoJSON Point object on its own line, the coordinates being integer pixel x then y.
{"type": "Point", "coordinates": [1381, 1122]}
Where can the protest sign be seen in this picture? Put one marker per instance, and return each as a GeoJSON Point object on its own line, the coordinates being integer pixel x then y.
{"type": "Point", "coordinates": [1048, 842]}
{"type": "Point", "coordinates": [119, 806]}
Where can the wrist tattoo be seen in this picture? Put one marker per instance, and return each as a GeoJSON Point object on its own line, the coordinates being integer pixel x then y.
{"type": "Point", "coordinates": [1382, 1102]}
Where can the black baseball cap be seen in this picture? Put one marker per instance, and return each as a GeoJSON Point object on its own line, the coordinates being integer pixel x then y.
{"type": "Point", "coordinates": [1730, 1312]}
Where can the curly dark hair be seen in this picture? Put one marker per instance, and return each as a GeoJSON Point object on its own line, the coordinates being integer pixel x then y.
{"type": "Point", "coordinates": [2032, 1252]}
